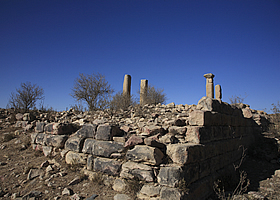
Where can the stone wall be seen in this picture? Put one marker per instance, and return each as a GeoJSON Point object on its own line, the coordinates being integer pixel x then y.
{"type": "Point", "coordinates": [174, 151]}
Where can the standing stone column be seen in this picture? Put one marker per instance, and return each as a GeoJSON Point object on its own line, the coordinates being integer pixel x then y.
{"type": "Point", "coordinates": [126, 85]}
{"type": "Point", "coordinates": [209, 85]}
{"type": "Point", "coordinates": [218, 92]}
{"type": "Point", "coordinates": [143, 91]}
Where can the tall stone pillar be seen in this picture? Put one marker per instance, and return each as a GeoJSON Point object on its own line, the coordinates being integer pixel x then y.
{"type": "Point", "coordinates": [143, 91]}
{"type": "Point", "coordinates": [126, 85]}
{"type": "Point", "coordinates": [209, 85]}
{"type": "Point", "coordinates": [218, 92]}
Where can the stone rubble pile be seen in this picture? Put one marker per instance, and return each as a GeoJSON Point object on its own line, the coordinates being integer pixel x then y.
{"type": "Point", "coordinates": [174, 151]}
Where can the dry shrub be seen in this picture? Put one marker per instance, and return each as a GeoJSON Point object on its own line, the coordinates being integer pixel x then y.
{"type": "Point", "coordinates": [240, 189]}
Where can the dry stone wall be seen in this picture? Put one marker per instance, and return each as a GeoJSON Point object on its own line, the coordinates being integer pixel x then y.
{"type": "Point", "coordinates": [175, 151]}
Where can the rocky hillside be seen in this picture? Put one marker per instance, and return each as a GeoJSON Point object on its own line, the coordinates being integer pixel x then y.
{"type": "Point", "coordinates": [44, 174]}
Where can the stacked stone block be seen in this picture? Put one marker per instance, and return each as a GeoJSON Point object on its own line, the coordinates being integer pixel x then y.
{"type": "Point", "coordinates": [188, 146]}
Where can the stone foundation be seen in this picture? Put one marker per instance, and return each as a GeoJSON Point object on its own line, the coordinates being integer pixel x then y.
{"type": "Point", "coordinates": [177, 152]}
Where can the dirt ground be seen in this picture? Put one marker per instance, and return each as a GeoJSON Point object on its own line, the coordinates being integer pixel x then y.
{"type": "Point", "coordinates": [17, 158]}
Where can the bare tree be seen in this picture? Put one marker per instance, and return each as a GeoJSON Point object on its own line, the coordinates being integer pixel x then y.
{"type": "Point", "coordinates": [155, 95]}
{"type": "Point", "coordinates": [237, 99]}
{"type": "Point", "coordinates": [26, 96]}
{"type": "Point", "coordinates": [121, 101]}
{"type": "Point", "coordinates": [93, 89]}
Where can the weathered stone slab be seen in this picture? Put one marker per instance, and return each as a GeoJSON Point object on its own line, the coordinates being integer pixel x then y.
{"type": "Point", "coordinates": [184, 153]}
{"type": "Point", "coordinates": [150, 191]}
{"type": "Point", "coordinates": [56, 140]}
{"type": "Point", "coordinates": [177, 130]}
{"type": "Point", "coordinates": [39, 128]}
{"type": "Point", "coordinates": [167, 193]}
{"type": "Point", "coordinates": [47, 150]}
{"type": "Point", "coordinates": [201, 118]}
{"type": "Point", "coordinates": [133, 140]}
{"type": "Point", "coordinates": [122, 197]}
{"type": "Point", "coordinates": [170, 176]}
{"type": "Point", "coordinates": [106, 148]}
{"type": "Point", "coordinates": [74, 144]}
{"type": "Point", "coordinates": [58, 128]}
{"type": "Point", "coordinates": [143, 153]}
{"type": "Point", "coordinates": [87, 131]}
{"type": "Point", "coordinates": [33, 173]}
{"type": "Point", "coordinates": [108, 166]}
{"type": "Point", "coordinates": [40, 138]}
{"type": "Point", "coordinates": [102, 148]}
{"type": "Point", "coordinates": [198, 134]}
{"type": "Point", "coordinates": [131, 170]}
{"type": "Point", "coordinates": [153, 130]}
{"type": "Point", "coordinates": [28, 117]}
{"type": "Point", "coordinates": [209, 104]}
{"type": "Point", "coordinates": [106, 132]}
{"type": "Point", "coordinates": [19, 116]}
{"type": "Point", "coordinates": [75, 158]}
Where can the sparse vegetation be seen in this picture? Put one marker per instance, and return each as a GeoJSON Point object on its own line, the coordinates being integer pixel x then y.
{"type": "Point", "coordinates": [75, 166]}
{"type": "Point", "coordinates": [25, 97]}
{"type": "Point", "coordinates": [155, 96]}
{"type": "Point", "coordinates": [274, 127]}
{"type": "Point", "coordinates": [98, 178]}
{"type": "Point", "coordinates": [134, 185]}
{"type": "Point", "coordinates": [237, 99]}
{"type": "Point", "coordinates": [93, 89]}
{"type": "Point", "coordinates": [241, 187]}
{"type": "Point", "coordinates": [122, 102]}
{"type": "Point", "coordinates": [183, 186]}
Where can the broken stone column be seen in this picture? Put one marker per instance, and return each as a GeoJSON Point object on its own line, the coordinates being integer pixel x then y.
{"type": "Point", "coordinates": [209, 85]}
{"type": "Point", "coordinates": [143, 91]}
{"type": "Point", "coordinates": [218, 92]}
{"type": "Point", "coordinates": [126, 85]}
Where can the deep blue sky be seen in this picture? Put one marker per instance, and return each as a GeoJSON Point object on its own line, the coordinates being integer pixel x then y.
{"type": "Point", "coordinates": [171, 43]}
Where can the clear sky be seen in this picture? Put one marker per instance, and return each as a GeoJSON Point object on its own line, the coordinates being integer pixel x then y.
{"type": "Point", "coordinates": [172, 43]}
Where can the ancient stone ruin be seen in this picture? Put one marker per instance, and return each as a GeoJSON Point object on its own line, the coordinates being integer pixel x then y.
{"type": "Point", "coordinates": [175, 151]}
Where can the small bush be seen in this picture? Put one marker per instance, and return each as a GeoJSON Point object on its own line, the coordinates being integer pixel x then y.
{"type": "Point", "coordinates": [274, 126]}
{"type": "Point", "coordinates": [75, 166]}
{"type": "Point", "coordinates": [122, 102]}
{"type": "Point", "coordinates": [241, 188]}
{"type": "Point", "coordinates": [98, 178]}
{"type": "Point", "coordinates": [183, 186]}
{"type": "Point", "coordinates": [134, 185]}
